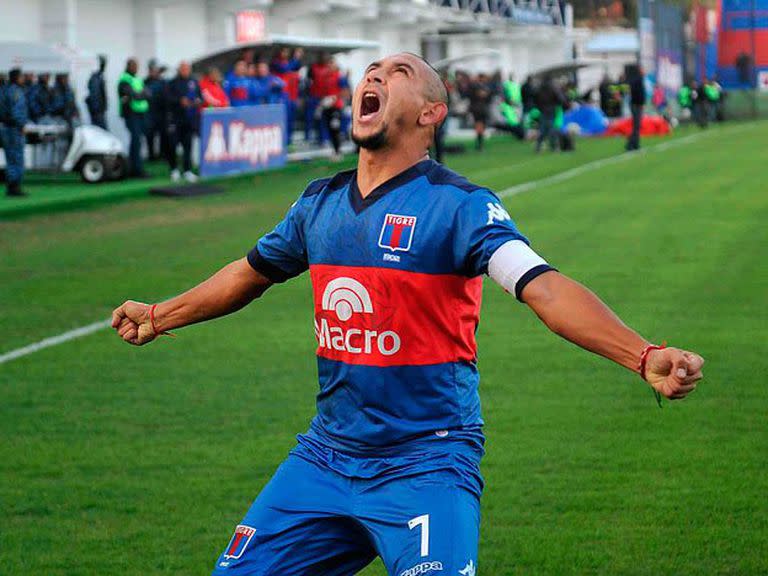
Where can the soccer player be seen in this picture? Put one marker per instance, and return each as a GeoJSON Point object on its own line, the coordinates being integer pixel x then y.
{"type": "Point", "coordinates": [396, 252]}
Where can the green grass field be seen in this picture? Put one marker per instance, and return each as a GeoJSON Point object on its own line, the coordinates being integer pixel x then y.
{"type": "Point", "coordinates": [117, 460]}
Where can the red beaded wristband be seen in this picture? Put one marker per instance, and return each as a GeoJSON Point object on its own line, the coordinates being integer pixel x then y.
{"type": "Point", "coordinates": [152, 323]}
{"type": "Point", "coordinates": [644, 357]}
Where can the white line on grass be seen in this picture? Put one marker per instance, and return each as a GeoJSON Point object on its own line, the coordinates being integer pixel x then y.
{"type": "Point", "coordinates": [55, 340]}
{"type": "Point", "coordinates": [506, 193]}
{"type": "Point", "coordinates": [597, 164]}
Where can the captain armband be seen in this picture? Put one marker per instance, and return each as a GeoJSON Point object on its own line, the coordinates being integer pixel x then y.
{"type": "Point", "coordinates": [514, 265]}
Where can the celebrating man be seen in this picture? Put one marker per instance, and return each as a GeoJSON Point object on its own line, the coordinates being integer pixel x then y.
{"type": "Point", "coordinates": [396, 252]}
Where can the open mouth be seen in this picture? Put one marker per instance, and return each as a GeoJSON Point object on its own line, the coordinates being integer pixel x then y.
{"type": "Point", "coordinates": [369, 104]}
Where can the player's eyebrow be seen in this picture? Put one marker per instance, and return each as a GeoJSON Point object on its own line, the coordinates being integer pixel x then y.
{"type": "Point", "coordinates": [373, 66]}
{"type": "Point", "coordinates": [405, 64]}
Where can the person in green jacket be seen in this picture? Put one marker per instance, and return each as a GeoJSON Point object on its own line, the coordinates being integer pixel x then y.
{"type": "Point", "coordinates": [134, 105]}
{"type": "Point", "coordinates": [511, 107]}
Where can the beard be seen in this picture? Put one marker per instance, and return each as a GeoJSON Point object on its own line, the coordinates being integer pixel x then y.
{"type": "Point", "coordinates": [375, 141]}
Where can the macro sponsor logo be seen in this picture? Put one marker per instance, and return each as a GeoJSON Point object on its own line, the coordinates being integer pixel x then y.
{"type": "Point", "coordinates": [423, 568]}
{"type": "Point", "coordinates": [255, 144]}
{"type": "Point", "coordinates": [347, 297]}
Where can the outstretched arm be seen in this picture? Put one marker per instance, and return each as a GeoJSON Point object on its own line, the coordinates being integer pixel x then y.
{"type": "Point", "coordinates": [230, 289]}
{"type": "Point", "coordinates": [575, 313]}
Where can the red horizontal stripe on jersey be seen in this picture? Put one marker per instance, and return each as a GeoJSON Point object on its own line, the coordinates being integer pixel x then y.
{"type": "Point", "coordinates": [388, 317]}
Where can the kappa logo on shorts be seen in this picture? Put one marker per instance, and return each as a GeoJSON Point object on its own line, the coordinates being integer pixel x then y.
{"type": "Point", "coordinates": [240, 540]}
{"type": "Point", "coordinates": [397, 232]}
{"type": "Point", "coordinates": [469, 569]}
{"type": "Point", "coordinates": [423, 568]}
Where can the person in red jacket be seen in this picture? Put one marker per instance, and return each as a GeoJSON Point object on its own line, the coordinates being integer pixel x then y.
{"type": "Point", "coordinates": [212, 90]}
{"type": "Point", "coordinates": [286, 67]}
{"type": "Point", "coordinates": [323, 82]}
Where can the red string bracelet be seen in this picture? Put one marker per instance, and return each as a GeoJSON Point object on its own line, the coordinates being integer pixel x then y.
{"type": "Point", "coordinates": [644, 357]}
{"type": "Point", "coordinates": [641, 366]}
{"type": "Point", "coordinates": [154, 326]}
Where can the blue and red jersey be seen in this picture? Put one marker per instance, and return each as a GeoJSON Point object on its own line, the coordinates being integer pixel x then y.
{"type": "Point", "coordinates": [238, 89]}
{"type": "Point", "coordinates": [397, 284]}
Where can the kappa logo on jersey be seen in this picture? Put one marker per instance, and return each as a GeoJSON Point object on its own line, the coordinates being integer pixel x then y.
{"type": "Point", "coordinates": [346, 297]}
{"type": "Point", "coordinates": [497, 212]}
{"type": "Point", "coordinates": [397, 232]}
{"type": "Point", "coordinates": [240, 540]}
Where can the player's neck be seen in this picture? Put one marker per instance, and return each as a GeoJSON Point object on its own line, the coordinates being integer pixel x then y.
{"type": "Point", "coordinates": [374, 167]}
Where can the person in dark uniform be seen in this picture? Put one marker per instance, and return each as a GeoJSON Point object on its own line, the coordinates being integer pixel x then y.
{"type": "Point", "coordinates": [96, 101]}
{"type": "Point", "coordinates": [480, 97]}
{"type": "Point", "coordinates": [63, 102]}
{"type": "Point", "coordinates": [636, 102]}
{"type": "Point", "coordinates": [134, 105]}
{"type": "Point", "coordinates": [157, 118]}
{"type": "Point", "coordinates": [40, 98]}
{"type": "Point", "coordinates": [527, 95]}
{"type": "Point", "coordinates": [14, 117]}
{"type": "Point", "coordinates": [548, 98]}
{"type": "Point", "coordinates": [184, 101]}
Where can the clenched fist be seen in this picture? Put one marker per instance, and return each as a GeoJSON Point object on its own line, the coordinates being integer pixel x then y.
{"type": "Point", "coordinates": [133, 324]}
{"type": "Point", "coordinates": [673, 372]}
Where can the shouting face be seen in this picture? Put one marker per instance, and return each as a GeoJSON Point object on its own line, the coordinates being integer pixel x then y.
{"type": "Point", "coordinates": [400, 97]}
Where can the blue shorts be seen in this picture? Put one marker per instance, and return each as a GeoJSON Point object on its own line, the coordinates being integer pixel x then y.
{"type": "Point", "coordinates": [421, 516]}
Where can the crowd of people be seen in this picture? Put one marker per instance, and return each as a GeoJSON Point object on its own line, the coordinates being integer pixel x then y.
{"type": "Point", "coordinates": [489, 100]}
{"type": "Point", "coordinates": [26, 98]}
{"type": "Point", "coordinates": [162, 111]}
{"type": "Point", "coordinates": [165, 112]}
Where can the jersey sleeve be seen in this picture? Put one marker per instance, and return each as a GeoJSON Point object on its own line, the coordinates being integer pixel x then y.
{"type": "Point", "coordinates": [282, 253]}
{"type": "Point", "coordinates": [482, 227]}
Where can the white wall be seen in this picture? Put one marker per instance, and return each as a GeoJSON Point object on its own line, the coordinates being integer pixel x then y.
{"type": "Point", "coordinates": [20, 20]}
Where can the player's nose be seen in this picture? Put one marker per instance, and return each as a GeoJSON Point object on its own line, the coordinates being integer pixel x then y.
{"type": "Point", "coordinates": [375, 76]}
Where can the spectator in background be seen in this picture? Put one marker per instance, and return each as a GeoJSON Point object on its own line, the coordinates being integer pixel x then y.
{"type": "Point", "coordinates": [184, 101]}
{"type": "Point", "coordinates": [40, 98]}
{"type": "Point", "coordinates": [13, 115]}
{"type": "Point", "coordinates": [480, 98]}
{"type": "Point", "coordinates": [286, 67]}
{"type": "Point", "coordinates": [96, 101]}
{"type": "Point", "coordinates": [238, 86]}
{"type": "Point", "coordinates": [323, 82]}
{"type": "Point", "coordinates": [157, 117]}
{"type": "Point", "coordinates": [700, 105]}
{"type": "Point", "coordinates": [28, 81]}
{"type": "Point", "coordinates": [637, 98]}
{"type": "Point", "coordinates": [134, 105]}
{"type": "Point", "coordinates": [330, 113]}
{"type": "Point", "coordinates": [527, 93]}
{"type": "Point", "coordinates": [266, 88]}
{"type": "Point", "coordinates": [212, 90]}
{"type": "Point", "coordinates": [63, 103]}
{"type": "Point", "coordinates": [548, 99]}
{"type": "Point", "coordinates": [713, 95]}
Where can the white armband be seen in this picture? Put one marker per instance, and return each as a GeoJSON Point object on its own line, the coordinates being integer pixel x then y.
{"type": "Point", "coordinates": [514, 264]}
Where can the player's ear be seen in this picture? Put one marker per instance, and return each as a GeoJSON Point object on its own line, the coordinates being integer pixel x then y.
{"type": "Point", "coordinates": [433, 114]}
